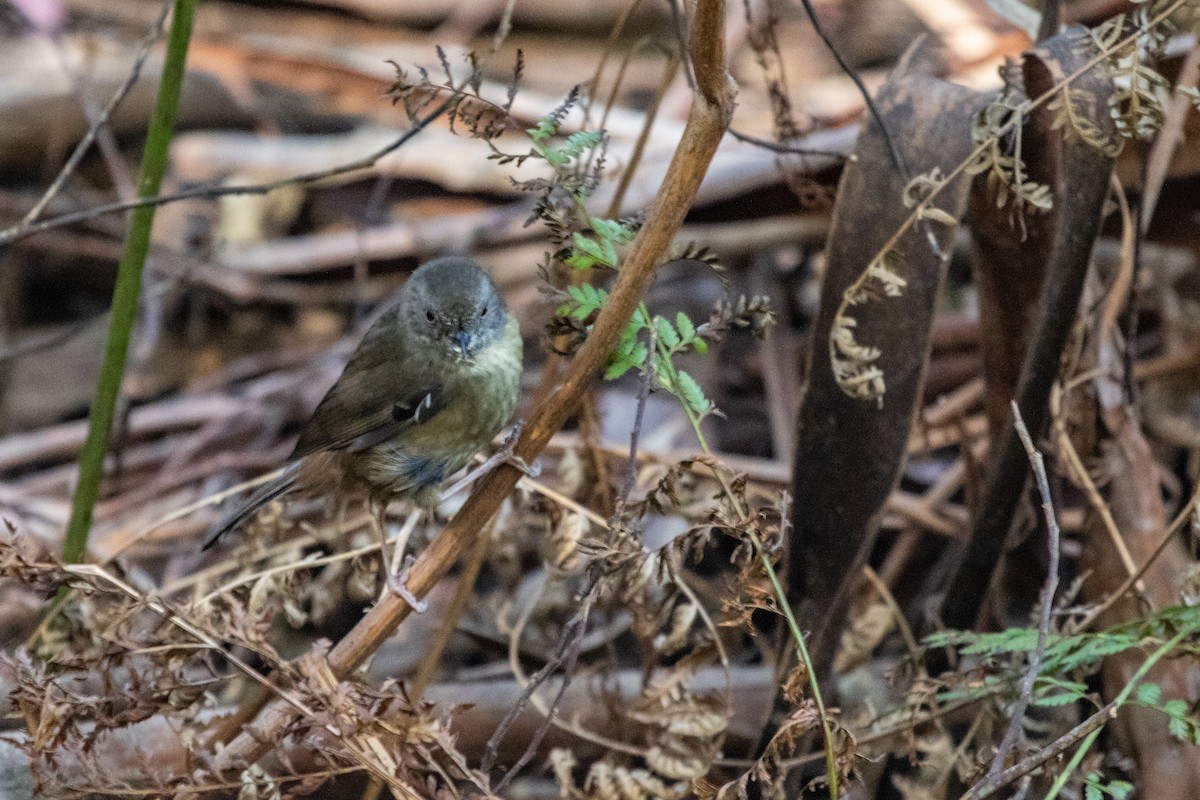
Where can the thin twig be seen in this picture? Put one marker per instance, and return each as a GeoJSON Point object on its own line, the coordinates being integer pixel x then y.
{"type": "Point", "coordinates": [610, 45]}
{"type": "Point", "coordinates": [885, 593]}
{"type": "Point", "coordinates": [573, 645]}
{"type": "Point", "coordinates": [1047, 600]}
{"type": "Point", "coordinates": [893, 148]}
{"type": "Point", "coordinates": [1158, 161]}
{"type": "Point", "coordinates": [188, 627]}
{"type": "Point", "coordinates": [106, 143]}
{"type": "Point", "coordinates": [47, 342]}
{"type": "Point", "coordinates": [214, 191]}
{"type": "Point", "coordinates": [989, 786]}
{"type": "Point", "coordinates": [571, 631]}
{"type": "Point", "coordinates": [831, 771]}
{"type": "Point", "coordinates": [639, 146]}
{"type": "Point", "coordinates": [635, 434]}
{"type": "Point", "coordinates": [514, 661]}
{"type": "Point", "coordinates": [1084, 481]}
{"type": "Point", "coordinates": [920, 209]}
{"type": "Point", "coordinates": [100, 121]}
{"type": "Point", "coordinates": [787, 149]}
{"type": "Point", "coordinates": [277, 780]}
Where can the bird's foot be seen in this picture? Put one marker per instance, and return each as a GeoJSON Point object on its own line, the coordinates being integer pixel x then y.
{"type": "Point", "coordinates": [504, 455]}
{"type": "Point", "coordinates": [398, 583]}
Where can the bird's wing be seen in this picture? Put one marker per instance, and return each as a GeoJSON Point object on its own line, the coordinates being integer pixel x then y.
{"type": "Point", "coordinates": [379, 394]}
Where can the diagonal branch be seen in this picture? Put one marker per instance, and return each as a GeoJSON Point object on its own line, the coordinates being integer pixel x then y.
{"type": "Point", "coordinates": [711, 110]}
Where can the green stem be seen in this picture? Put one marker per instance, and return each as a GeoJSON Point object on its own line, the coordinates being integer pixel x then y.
{"type": "Point", "coordinates": [831, 772]}
{"type": "Point", "coordinates": [802, 651]}
{"type": "Point", "coordinates": [128, 288]}
{"type": "Point", "coordinates": [673, 376]}
{"type": "Point", "coordinates": [668, 367]}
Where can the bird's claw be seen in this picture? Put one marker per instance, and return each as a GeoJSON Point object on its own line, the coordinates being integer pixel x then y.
{"type": "Point", "coordinates": [530, 470]}
{"type": "Point", "coordinates": [398, 584]}
{"type": "Point", "coordinates": [502, 455]}
{"type": "Point", "coordinates": [511, 434]}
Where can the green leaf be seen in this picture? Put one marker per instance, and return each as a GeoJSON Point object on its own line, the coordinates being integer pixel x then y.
{"type": "Point", "coordinates": [666, 333]}
{"type": "Point", "coordinates": [686, 329]}
{"type": "Point", "coordinates": [610, 253]}
{"type": "Point", "coordinates": [639, 355]}
{"type": "Point", "coordinates": [579, 260]}
{"type": "Point", "coordinates": [612, 230]}
{"type": "Point", "coordinates": [588, 299]}
{"type": "Point", "coordinates": [590, 248]}
{"type": "Point", "coordinates": [580, 141]}
{"type": "Point", "coordinates": [692, 394]}
{"type": "Point", "coordinates": [617, 368]}
{"type": "Point", "coordinates": [700, 346]}
{"type": "Point", "coordinates": [1056, 700]}
{"type": "Point", "coordinates": [629, 353]}
{"type": "Point", "coordinates": [1013, 640]}
{"type": "Point", "coordinates": [1178, 728]}
{"type": "Point", "coordinates": [1149, 694]}
{"type": "Point", "coordinates": [1119, 790]}
{"type": "Point", "coordinates": [626, 341]}
{"type": "Point", "coordinates": [1176, 708]}
{"type": "Point", "coordinates": [545, 128]}
{"type": "Point", "coordinates": [662, 374]}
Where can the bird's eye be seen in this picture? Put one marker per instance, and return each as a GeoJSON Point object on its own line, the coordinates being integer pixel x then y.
{"type": "Point", "coordinates": [483, 312]}
{"type": "Point", "coordinates": [429, 314]}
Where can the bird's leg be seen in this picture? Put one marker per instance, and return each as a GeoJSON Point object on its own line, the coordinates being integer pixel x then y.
{"type": "Point", "coordinates": [396, 575]}
{"type": "Point", "coordinates": [504, 454]}
{"type": "Point", "coordinates": [377, 513]}
{"type": "Point", "coordinates": [398, 583]}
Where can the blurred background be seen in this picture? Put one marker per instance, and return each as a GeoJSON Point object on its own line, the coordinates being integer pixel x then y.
{"type": "Point", "coordinates": [251, 302]}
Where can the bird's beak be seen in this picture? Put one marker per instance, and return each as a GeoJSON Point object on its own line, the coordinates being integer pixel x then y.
{"type": "Point", "coordinates": [463, 340]}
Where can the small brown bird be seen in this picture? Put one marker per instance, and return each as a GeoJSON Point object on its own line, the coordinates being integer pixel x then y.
{"type": "Point", "coordinates": [434, 379]}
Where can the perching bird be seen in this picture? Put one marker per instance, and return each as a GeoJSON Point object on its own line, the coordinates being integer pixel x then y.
{"type": "Point", "coordinates": [432, 382]}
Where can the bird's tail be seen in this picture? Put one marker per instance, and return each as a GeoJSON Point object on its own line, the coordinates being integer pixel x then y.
{"type": "Point", "coordinates": [266, 493]}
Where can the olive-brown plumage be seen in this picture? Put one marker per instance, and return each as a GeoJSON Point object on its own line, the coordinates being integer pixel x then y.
{"type": "Point", "coordinates": [434, 379]}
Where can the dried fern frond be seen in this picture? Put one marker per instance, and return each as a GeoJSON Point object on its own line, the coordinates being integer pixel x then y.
{"type": "Point", "coordinates": [922, 187]}
{"type": "Point", "coordinates": [1000, 159]}
{"type": "Point", "coordinates": [1138, 104]}
{"type": "Point", "coordinates": [1075, 110]}
{"type": "Point", "coordinates": [854, 366]}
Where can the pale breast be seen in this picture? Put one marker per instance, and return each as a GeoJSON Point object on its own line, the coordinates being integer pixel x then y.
{"type": "Point", "coordinates": [482, 396]}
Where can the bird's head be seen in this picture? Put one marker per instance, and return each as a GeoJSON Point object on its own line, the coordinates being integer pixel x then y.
{"type": "Point", "coordinates": [452, 305]}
